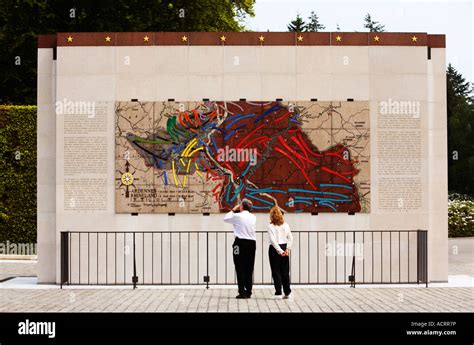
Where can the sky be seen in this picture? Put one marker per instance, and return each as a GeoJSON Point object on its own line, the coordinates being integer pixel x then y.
{"type": "Point", "coordinates": [454, 18]}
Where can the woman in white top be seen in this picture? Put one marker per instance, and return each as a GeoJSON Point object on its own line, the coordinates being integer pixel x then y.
{"type": "Point", "coordinates": [281, 239]}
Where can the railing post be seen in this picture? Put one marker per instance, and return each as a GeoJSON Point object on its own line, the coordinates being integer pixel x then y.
{"type": "Point", "coordinates": [62, 259]}
{"type": "Point", "coordinates": [425, 235]}
{"type": "Point", "coordinates": [352, 276]}
{"type": "Point", "coordinates": [207, 278]}
{"type": "Point", "coordinates": [64, 239]}
{"type": "Point", "coordinates": [134, 278]}
{"type": "Point", "coordinates": [422, 256]}
{"type": "Point", "coordinates": [418, 255]}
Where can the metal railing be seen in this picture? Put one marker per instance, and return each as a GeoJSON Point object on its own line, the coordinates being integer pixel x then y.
{"type": "Point", "coordinates": [195, 257]}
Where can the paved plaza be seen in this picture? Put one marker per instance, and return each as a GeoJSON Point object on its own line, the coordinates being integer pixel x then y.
{"type": "Point", "coordinates": [222, 300]}
{"type": "Point", "coordinates": [22, 294]}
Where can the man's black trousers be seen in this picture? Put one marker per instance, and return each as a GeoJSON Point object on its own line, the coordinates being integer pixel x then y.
{"type": "Point", "coordinates": [244, 259]}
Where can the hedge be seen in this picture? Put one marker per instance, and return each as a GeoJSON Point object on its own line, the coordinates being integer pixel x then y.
{"type": "Point", "coordinates": [461, 215]}
{"type": "Point", "coordinates": [18, 174]}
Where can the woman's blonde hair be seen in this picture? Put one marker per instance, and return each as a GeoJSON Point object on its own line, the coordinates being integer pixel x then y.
{"type": "Point", "coordinates": [276, 216]}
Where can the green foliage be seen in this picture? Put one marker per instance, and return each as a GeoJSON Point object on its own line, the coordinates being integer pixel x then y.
{"type": "Point", "coordinates": [297, 25]}
{"type": "Point", "coordinates": [22, 20]}
{"type": "Point", "coordinates": [460, 109]}
{"type": "Point", "coordinates": [314, 24]}
{"type": "Point", "coordinates": [453, 196]}
{"type": "Point", "coordinates": [372, 25]}
{"type": "Point", "coordinates": [18, 174]}
{"type": "Point", "coordinates": [461, 215]}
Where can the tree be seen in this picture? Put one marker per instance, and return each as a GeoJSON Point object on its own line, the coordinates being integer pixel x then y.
{"type": "Point", "coordinates": [458, 89]}
{"type": "Point", "coordinates": [22, 20]}
{"type": "Point", "coordinates": [314, 24]}
{"type": "Point", "coordinates": [460, 111]}
{"type": "Point", "coordinates": [297, 25]}
{"type": "Point", "coordinates": [372, 25]}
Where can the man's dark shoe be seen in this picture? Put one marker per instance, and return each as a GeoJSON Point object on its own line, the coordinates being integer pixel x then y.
{"type": "Point", "coordinates": [249, 295]}
{"type": "Point", "coordinates": [241, 297]}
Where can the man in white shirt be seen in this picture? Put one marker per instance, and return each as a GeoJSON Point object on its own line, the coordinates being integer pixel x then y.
{"type": "Point", "coordinates": [244, 245]}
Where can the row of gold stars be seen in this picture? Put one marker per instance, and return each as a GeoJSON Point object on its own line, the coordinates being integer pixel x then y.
{"type": "Point", "coordinates": [261, 38]}
{"type": "Point", "coordinates": [146, 38]}
{"type": "Point", "coordinates": [376, 38]}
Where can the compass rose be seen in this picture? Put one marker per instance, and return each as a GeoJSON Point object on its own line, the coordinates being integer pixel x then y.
{"type": "Point", "coordinates": [127, 179]}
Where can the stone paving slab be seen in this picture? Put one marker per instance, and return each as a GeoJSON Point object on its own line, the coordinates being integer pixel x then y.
{"type": "Point", "coordinates": [416, 299]}
{"type": "Point", "coordinates": [17, 268]}
{"type": "Point", "coordinates": [461, 256]}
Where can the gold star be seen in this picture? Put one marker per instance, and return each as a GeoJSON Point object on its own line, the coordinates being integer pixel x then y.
{"type": "Point", "coordinates": [107, 39]}
{"type": "Point", "coordinates": [184, 38]}
{"type": "Point", "coordinates": [300, 38]}
{"type": "Point", "coordinates": [414, 39]}
{"type": "Point", "coordinates": [338, 38]}
{"type": "Point", "coordinates": [261, 38]}
{"type": "Point", "coordinates": [146, 38]}
{"type": "Point", "coordinates": [223, 38]}
{"type": "Point", "coordinates": [376, 38]}
{"type": "Point", "coordinates": [69, 39]}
